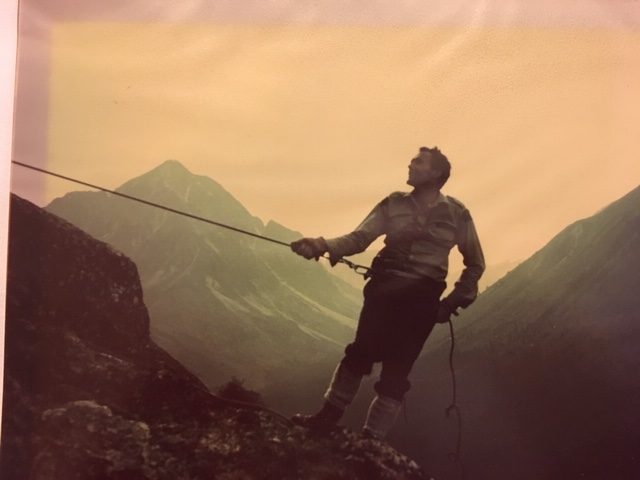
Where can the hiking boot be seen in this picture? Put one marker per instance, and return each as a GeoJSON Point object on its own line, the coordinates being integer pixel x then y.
{"type": "Point", "coordinates": [326, 418]}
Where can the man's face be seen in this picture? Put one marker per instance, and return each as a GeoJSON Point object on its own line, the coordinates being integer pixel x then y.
{"type": "Point", "coordinates": [421, 171]}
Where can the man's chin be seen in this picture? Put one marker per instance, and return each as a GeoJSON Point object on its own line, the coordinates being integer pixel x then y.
{"type": "Point", "coordinates": [427, 184]}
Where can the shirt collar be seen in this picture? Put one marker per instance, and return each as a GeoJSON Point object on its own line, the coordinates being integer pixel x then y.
{"type": "Point", "coordinates": [441, 199]}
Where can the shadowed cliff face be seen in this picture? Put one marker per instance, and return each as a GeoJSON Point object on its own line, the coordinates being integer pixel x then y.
{"type": "Point", "coordinates": [87, 395]}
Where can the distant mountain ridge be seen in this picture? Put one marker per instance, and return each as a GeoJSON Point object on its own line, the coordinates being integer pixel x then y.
{"type": "Point", "coordinates": [547, 360]}
{"type": "Point", "coordinates": [224, 304]}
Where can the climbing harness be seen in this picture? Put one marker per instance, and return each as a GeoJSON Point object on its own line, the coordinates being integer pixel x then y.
{"type": "Point", "coordinates": [363, 270]}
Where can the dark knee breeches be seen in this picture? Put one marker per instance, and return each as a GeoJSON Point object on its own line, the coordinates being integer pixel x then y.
{"type": "Point", "coordinates": [396, 319]}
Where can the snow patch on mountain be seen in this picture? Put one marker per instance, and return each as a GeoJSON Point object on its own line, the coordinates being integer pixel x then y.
{"type": "Point", "coordinates": [228, 302]}
{"type": "Point", "coordinates": [343, 319]}
{"type": "Point", "coordinates": [252, 301]}
{"type": "Point", "coordinates": [211, 245]}
{"type": "Point", "coordinates": [317, 335]}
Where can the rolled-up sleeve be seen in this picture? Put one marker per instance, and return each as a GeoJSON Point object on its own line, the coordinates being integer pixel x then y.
{"type": "Point", "coordinates": [357, 241]}
{"type": "Point", "coordinates": [466, 288]}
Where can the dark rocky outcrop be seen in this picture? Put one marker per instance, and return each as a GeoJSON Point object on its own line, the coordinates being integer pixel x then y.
{"type": "Point", "coordinates": [88, 395]}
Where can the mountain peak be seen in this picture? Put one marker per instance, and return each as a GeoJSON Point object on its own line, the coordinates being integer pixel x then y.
{"type": "Point", "coordinates": [172, 184]}
{"type": "Point", "coordinates": [172, 167]}
{"type": "Point", "coordinates": [171, 175]}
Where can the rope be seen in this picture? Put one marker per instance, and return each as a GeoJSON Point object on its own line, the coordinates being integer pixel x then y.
{"type": "Point", "coordinates": [454, 408]}
{"type": "Point", "coordinates": [359, 269]}
{"type": "Point", "coordinates": [152, 204]}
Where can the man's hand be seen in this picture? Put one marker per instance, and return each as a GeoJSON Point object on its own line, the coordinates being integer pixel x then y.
{"type": "Point", "coordinates": [310, 247]}
{"type": "Point", "coordinates": [444, 312]}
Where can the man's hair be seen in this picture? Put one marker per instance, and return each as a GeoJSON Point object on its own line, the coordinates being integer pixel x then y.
{"type": "Point", "coordinates": [440, 162]}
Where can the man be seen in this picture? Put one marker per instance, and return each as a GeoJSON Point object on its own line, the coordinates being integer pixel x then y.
{"type": "Point", "coordinates": [402, 298]}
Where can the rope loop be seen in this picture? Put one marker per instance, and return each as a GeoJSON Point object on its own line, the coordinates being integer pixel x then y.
{"type": "Point", "coordinates": [453, 407]}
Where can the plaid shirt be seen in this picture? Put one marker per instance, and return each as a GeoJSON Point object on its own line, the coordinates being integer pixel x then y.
{"type": "Point", "coordinates": [418, 241]}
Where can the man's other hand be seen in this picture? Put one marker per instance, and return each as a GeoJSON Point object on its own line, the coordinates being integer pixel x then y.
{"type": "Point", "coordinates": [310, 247]}
{"type": "Point", "coordinates": [444, 312]}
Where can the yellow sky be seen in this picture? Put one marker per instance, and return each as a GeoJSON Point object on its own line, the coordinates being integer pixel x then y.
{"type": "Point", "coordinates": [312, 125]}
